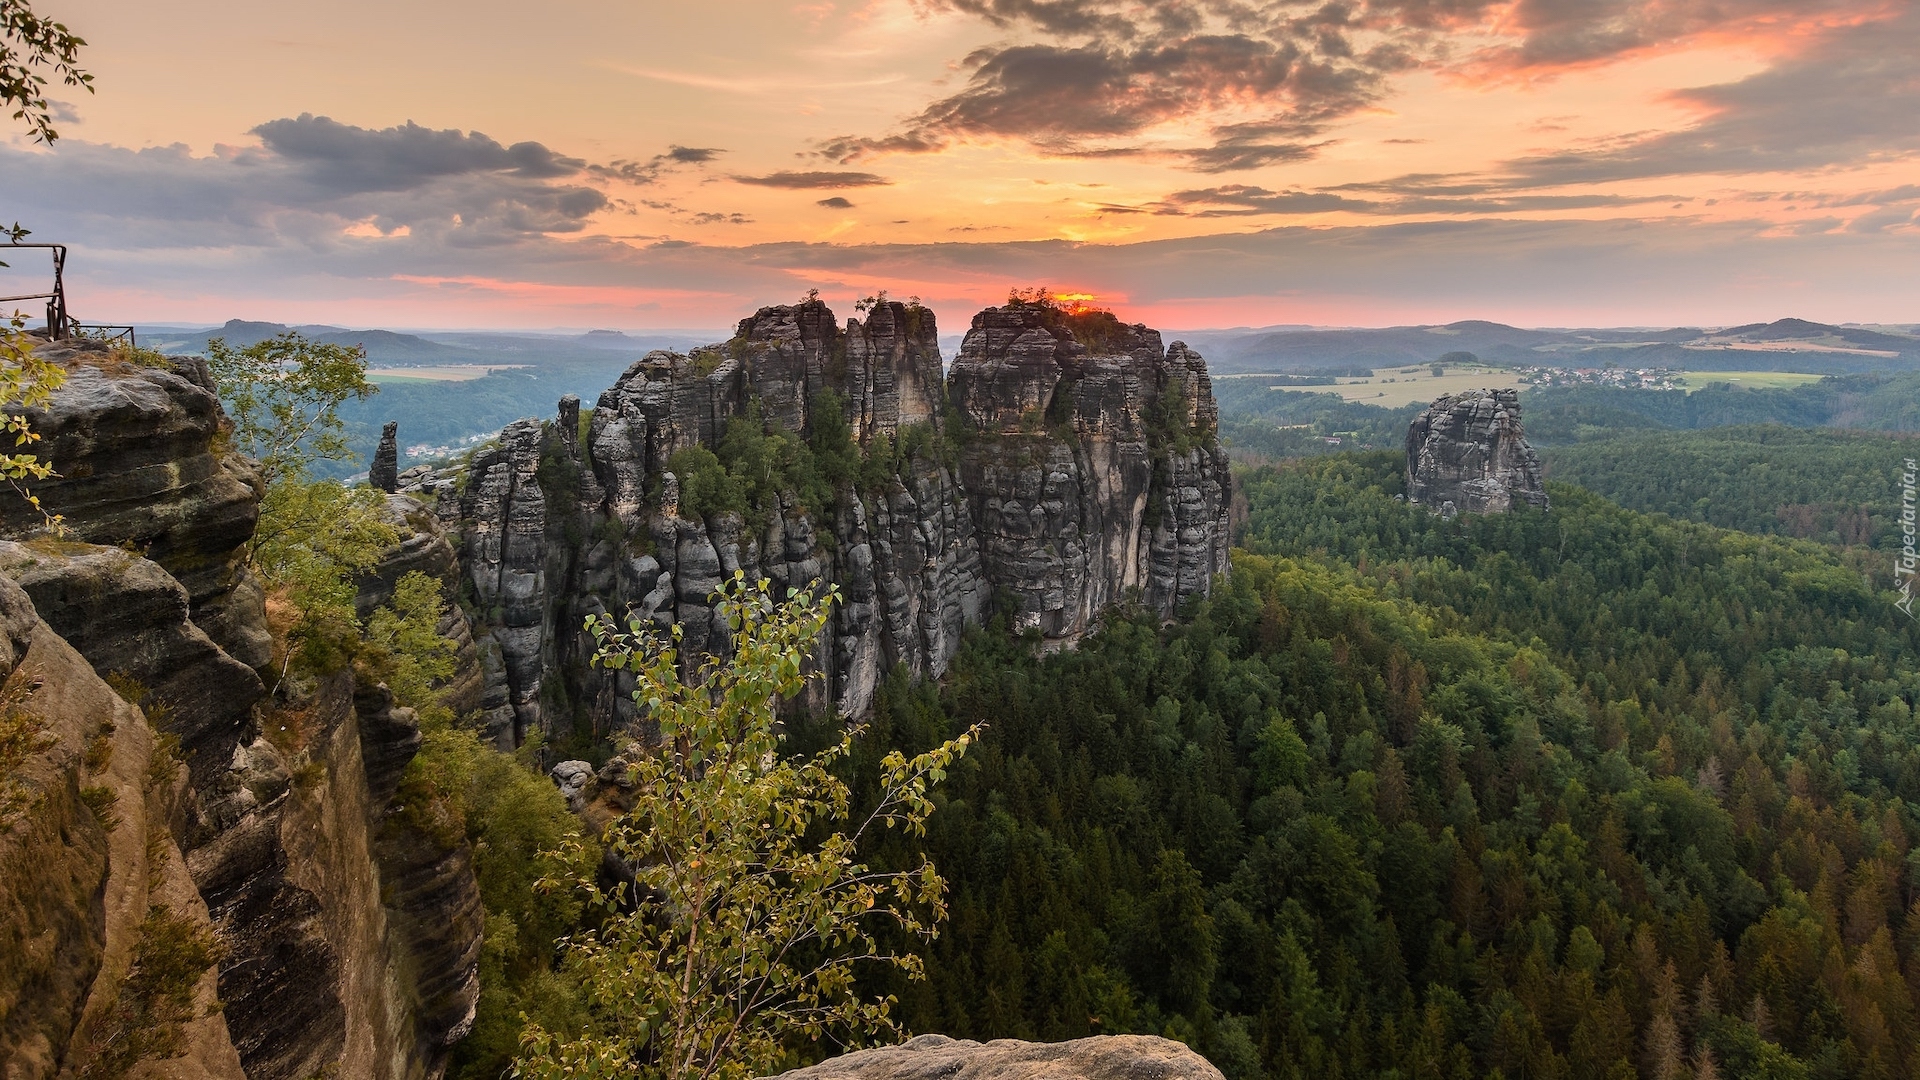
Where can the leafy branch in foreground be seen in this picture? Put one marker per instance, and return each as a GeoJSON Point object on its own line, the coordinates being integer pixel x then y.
{"type": "Point", "coordinates": [284, 395]}
{"type": "Point", "coordinates": [314, 538]}
{"type": "Point", "coordinates": [750, 908]}
{"type": "Point", "coordinates": [27, 381]}
{"type": "Point", "coordinates": [29, 42]}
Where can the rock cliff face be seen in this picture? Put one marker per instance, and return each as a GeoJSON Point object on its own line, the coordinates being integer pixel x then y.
{"type": "Point", "coordinates": [936, 1057]}
{"type": "Point", "coordinates": [1064, 478]}
{"type": "Point", "coordinates": [1126, 491]}
{"type": "Point", "coordinates": [142, 464]}
{"type": "Point", "coordinates": [1468, 454]}
{"type": "Point", "coordinates": [92, 881]}
{"type": "Point", "coordinates": [343, 947]}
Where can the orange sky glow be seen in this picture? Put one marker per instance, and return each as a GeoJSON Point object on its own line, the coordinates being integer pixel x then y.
{"type": "Point", "coordinates": [423, 163]}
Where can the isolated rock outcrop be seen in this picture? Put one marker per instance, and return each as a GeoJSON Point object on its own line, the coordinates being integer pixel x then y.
{"type": "Point", "coordinates": [1099, 472]}
{"type": "Point", "coordinates": [1468, 454]}
{"type": "Point", "coordinates": [384, 473]}
{"type": "Point", "coordinates": [936, 1057]}
{"type": "Point", "coordinates": [1069, 478]}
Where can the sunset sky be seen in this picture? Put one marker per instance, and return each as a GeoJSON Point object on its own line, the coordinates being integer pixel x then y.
{"type": "Point", "coordinates": [596, 163]}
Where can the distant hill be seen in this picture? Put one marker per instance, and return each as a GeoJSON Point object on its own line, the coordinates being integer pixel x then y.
{"type": "Point", "coordinates": [383, 346]}
{"type": "Point", "coordinates": [1783, 345]}
{"type": "Point", "coordinates": [387, 348]}
{"type": "Point", "coordinates": [536, 369]}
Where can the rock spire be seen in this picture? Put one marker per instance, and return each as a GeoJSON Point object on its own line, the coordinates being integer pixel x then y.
{"type": "Point", "coordinates": [1468, 454]}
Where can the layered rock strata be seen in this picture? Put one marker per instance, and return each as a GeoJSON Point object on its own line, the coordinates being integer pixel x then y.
{"type": "Point", "coordinates": [143, 464]}
{"type": "Point", "coordinates": [1065, 479]}
{"type": "Point", "coordinates": [1468, 453]}
{"type": "Point", "coordinates": [384, 473]}
{"type": "Point", "coordinates": [92, 879]}
{"type": "Point", "coordinates": [350, 944]}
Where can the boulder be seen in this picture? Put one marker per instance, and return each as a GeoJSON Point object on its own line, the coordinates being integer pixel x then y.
{"type": "Point", "coordinates": [936, 1057]}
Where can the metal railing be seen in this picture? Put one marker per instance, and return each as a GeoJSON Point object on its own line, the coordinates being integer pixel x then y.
{"type": "Point", "coordinates": [60, 323]}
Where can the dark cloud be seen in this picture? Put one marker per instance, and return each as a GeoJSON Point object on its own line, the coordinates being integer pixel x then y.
{"type": "Point", "coordinates": [350, 159]}
{"type": "Point", "coordinates": [838, 202]}
{"type": "Point", "coordinates": [1093, 77]}
{"type": "Point", "coordinates": [1850, 97]}
{"type": "Point", "coordinates": [1122, 71]}
{"type": "Point", "coordinates": [309, 179]}
{"type": "Point", "coordinates": [1563, 33]}
{"type": "Point", "coordinates": [646, 172]}
{"type": "Point", "coordinates": [1244, 200]}
{"type": "Point", "coordinates": [815, 180]}
{"type": "Point", "coordinates": [692, 155]}
{"type": "Point", "coordinates": [236, 228]}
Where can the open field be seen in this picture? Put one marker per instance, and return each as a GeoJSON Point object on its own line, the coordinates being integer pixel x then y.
{"type": "Point", "coordinates": [437, 373]}
{"type": "Point", "coordinates": [1394, 387]}
{"type": "Point", "coordinates": [1752, 380]}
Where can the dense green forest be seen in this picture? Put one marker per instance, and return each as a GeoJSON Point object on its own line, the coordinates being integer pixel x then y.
{"type": "Point", "coordinates": [1260, 419]}
{"type": "Point", "coordinates": [1559, 414]}
{"type": "Point", "coordinates": [1837, 487]}
{"type": "Point", "coordinates": [1587, 793]}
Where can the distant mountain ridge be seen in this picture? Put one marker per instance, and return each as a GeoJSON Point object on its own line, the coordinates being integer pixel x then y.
{"type": "Point", "coordinates": [1785, 344]}
{"type": "Point", "coordinates": [453, 347]}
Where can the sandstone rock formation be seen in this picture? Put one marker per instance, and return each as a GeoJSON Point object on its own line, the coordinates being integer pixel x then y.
{"type": "Point", "coordinates": [91, 877]}
{"type": "Point", "coordinates": [1469, 452]}
{"type": "Point", "coordinates": [349, 945]}
{"type": "Point", "coordinates": [384, 473]}
{"type": "Point", "coordinates": [1068, 479]}
{"type": "Point", "coordinates": [143, 464]}
{"type": "Point", "coordinates": [1125, 490]}
{"type": "Point", "coordinates": [936, 1057]}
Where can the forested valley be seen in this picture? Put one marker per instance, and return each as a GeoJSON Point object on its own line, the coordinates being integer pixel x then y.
{"type": "Point", "coordinates": [1588, 793]}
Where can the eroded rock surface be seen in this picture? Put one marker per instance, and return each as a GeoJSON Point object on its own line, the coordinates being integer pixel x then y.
{"type": "Point", "coordinates": [131, 618]}
{"type": "Point", "coordinates": [143, 464]}
{"type": "Point", "coordinates": [90, 874]}
{"type": "Point", "coordinates": [384, 473]}
{"type": "Point", "coordinates": [936, 1057]}
{"type": "Point", "coordinates": [1076, 478]}
{"type": "Point", "coordinates": [1468, 451]}
{"type": "Point", "coordinates": [351, 939]}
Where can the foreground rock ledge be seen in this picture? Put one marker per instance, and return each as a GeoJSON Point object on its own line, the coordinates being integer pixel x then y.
{"type": "Point", "coordinates": [936, 1057]}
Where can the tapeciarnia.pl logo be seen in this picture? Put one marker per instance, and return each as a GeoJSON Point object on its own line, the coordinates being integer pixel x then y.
{"type": "Point", "coordinates": [1903, 567]}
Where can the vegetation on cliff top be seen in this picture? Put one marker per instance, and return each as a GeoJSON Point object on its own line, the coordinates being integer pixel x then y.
{"type": "Point", "coordinates": [1099, 330]}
